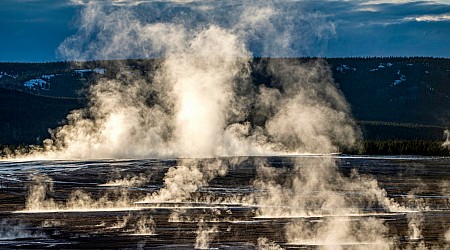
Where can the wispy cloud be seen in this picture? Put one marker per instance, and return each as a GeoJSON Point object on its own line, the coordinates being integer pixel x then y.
{"type": "Point", "coordinates": [386, 2]}
{"type": "Point", "coordinates": [132, 2]}
{"type": "Point", "coordinates": [430, 18]}
{"type": "Point", "coordinates": [402, 1]}
{"type": "Point", "coordinates": [357, 23]}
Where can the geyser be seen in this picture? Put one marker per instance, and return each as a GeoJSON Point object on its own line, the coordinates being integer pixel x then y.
{"type": "Point", "coordinates": [201, 101]}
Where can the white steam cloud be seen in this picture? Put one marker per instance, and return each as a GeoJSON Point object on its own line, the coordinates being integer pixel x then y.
{"type": "Point", "coordinates": [144, 226]}
{"type": "Point", "coordinates": [204, 235]}
{"type": "Point", "coordinates": [415, 221]}
{"type": "Point", "coordinates": [41, 187]}
{"type": "Point", "coordinates": [265, 244]}
{"type": "Point", "coordinates": [199, 100]}
{"type": "Point", "coordinates": [314, 188]}
{"type": "Point", "coordinates": [310, 114]}
{"type": "Point", "coordinates": [447, 139]}
{"type": "Point", "coordinates": [447, 235]}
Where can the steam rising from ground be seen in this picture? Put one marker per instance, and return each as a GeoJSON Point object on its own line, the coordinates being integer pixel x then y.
{"type": "Point", "coordinates": [41, 187]}
{"type": "Point", "coordinates": [447, 235]}
{"type": "Point", "coordinates": [145, 226]}
{"type": "Point", "coordinates": [11, 230]}
{"type": "Point", "coordinates": [182, 181]}
{"type": "Point", "coordinates": [415, 221]}
{"type": "Point", "coordinates": [447, 139]}
{"type": "Point", "coordinates": [334, 233]}
{"type": "Point", "coordinates": [265, 244]}
{"type": "Point", "coordinates": [200, 101]}
{"type": "Point", "coordinates": [314, 188]}
{"type": "Point", "coordinates": [317, 185]}
{"type": "Point", "coordinates": [202, 115]}
{"type": "Point", "coordinates": [204, 235]}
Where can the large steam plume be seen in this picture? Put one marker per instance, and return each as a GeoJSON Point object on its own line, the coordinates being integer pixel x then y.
{"type": "Point", "coordinates": [199, 101]}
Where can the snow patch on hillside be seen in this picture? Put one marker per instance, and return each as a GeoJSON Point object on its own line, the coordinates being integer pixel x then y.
{"type": "Point", "coordinates": [33, 83]}
{"type": "Point", "coordinates": [382, 66]}
{"type": "Point", "coordinates": [344, 67]}
{"type": "Point", "coordinates": [100, 71]}
{"type": "Point", "coordinates": [402, 78]}
{"type": "Point", "coordinates": [2, 74]}
{"type": "Point", "coordinates": [47, 76]}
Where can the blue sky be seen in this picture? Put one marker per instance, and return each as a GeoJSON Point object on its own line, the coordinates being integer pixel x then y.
{"type": "Point", "coordinates": [32, 30]}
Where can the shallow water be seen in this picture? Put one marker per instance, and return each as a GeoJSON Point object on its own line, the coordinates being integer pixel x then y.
{"type": "Point", "coordinates": [219, 214]}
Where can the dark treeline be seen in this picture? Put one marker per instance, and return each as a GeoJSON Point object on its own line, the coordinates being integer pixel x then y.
{"type": "Point", "coordinates": [409, 90]}
{"type": "Point", "coordinates": [26, 118]}
{"type": "Point", "coordinates": [365, 147]}
{"type": "Point", "coordinates": [401, 147]}
{"type": "Point", "coordinates": [383, 131]}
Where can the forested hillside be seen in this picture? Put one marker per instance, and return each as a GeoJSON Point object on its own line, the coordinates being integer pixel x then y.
{"type": "Point", "coordinates": [412, 90]}
{"type": "Point", "coordinates": [391, 98]}
{"type": "Point", "coordinates": [403, 98]}
{"type": "Point", "coordinates": [26, 118]}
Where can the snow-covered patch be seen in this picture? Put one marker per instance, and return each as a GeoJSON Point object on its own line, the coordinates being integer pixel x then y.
{"type": "Point", "coordinates": [47, 76]}
{"type": "Point", "coordinates": [402, 78]}
{"type": "Point", "coordinates": [343, 67]}
{"type": "Point", "coordinates": [409, 64]}
{"type": "Point", "coordinates": [82, 71]}
{"type": "Point", "coordinates": [381, 66]}
{"type": "Point", "coordinates": [100, 71]}
{"type": "Point", "coordinates": [427, 72]}
{"type": "Point", "coordinates": [31, 84]}
{"type": "Point", "coordinates": [2, 74]}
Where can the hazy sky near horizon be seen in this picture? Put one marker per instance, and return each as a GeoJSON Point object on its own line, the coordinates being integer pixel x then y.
{"type": "Point", "coordinates": [32, 30]}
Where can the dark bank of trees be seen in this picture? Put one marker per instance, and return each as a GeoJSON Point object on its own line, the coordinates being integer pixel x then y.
{"type": "Point", "coordinates": [26, 118]}
{"type": "Point", "coordinates": [392, 138]}
{"type": "Point", "coordinates": [401, 147]}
